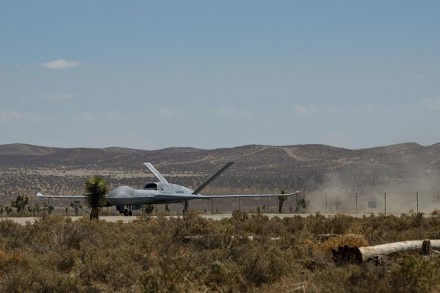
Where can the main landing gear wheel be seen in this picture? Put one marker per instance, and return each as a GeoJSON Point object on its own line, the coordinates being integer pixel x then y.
{"type": "Point", "coordinates": [128, 212]}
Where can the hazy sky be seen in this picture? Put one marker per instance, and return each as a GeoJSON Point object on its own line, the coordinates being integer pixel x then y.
{"type": "Point", "coordinates": [211, 74]}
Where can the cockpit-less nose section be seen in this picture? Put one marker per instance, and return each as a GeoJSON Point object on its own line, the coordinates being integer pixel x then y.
{"type": "Point", "coordinates": [126, 198]}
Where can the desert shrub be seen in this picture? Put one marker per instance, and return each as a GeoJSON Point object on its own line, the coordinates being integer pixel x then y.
{"type": "Point", "coordinates": [257, 224]}
{"type": "Point", "coordinates": [390, 228]}
{"type": "Point", "coordinates": [65, 261]}
{"type": "Point", "coordinates": [260, 261]}
{"type": "Point", "coordinates": [156, 254]}
{"type": "Point", "coordinates": [415, 274]}
{"type": "Point", "coordinates": [239, 216]}
{"type": "Point", "coordinates": [295, 224]}
{"type": "Point", "coordinates": [22, 273]}
{"type": "Point", "coordinates": [325, 247]}
{"type": "Point", "coordinates": [220, 275]}
{"type": "Point", "coordinates": [191, 224]}
{"type": "Point", "coordinates": [351, 278]}
{"type": "Point", "coordinates": [17, 280]}
{"type": "Point", "coordinates": [172, 274]}
{"type": "Point", "coordinates": [214, 240]}
{"type": "Point", "coordinates": [435, 212]}
{"type": "Point", "coordinates": [251, 224]}
{"type": "Point", "coordinates": [10, 260]}
{"type": "Point", "coordinates": [116, 268]}
{"type": "Point", "coordinates": [55, 232]}
{"type": "Point", "coordinates": [13, 235]}
{"type": "Point", "coordinates": [32, 281]}
{"type": "Point", "coordinates": [318, 224]}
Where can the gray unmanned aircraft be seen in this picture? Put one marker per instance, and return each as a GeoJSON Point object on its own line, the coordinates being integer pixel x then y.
{"type": "Point", "coordinates": [126, 198]}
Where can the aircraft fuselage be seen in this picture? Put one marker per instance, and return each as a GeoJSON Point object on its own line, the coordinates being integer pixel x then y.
{"type": "Point", "coordinates": [162, 193]}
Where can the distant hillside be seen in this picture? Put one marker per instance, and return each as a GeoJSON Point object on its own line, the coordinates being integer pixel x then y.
{"type": "Point", "coordinates": [258, 168]}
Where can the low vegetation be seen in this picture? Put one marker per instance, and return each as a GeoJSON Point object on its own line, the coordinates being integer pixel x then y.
{"type": "Point", "coordinates": [190, 253]}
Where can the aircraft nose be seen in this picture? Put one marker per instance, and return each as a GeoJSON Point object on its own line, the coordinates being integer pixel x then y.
{"type": "Point", "coordinates": [121, 192]}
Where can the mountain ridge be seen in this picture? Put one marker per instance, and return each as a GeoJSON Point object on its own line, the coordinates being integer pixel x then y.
{"type": "Point", "coordinates": [258, 168]}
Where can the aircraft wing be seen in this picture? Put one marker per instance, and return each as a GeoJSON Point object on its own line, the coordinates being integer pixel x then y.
{"type": "Point", "coordinates": [250, 195]}
{"type": "Point", "coordinates": [60, 196]}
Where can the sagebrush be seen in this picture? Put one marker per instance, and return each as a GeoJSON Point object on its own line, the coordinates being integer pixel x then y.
{"type": "Point", "coordinates": [193, 254]}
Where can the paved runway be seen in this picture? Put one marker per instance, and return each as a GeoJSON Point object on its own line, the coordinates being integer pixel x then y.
{"type": "Point", "coordinates": [124, 219]}
{"type": "Point", "coordinates": [31, 220]}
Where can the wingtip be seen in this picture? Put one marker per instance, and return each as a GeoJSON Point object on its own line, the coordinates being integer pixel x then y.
{"type": "Point", "coordinates": [292, 193]}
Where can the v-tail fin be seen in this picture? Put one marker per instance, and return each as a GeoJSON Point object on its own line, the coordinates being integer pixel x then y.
{"type": "Point", "coordinates": [212, 178]}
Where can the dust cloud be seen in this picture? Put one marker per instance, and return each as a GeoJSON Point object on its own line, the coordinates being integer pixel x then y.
{"type": "Point", "coordinates": [403, 189]}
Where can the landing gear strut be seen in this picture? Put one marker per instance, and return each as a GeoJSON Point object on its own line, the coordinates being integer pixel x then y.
{"type": "Point", "coordinates": [185, 206]}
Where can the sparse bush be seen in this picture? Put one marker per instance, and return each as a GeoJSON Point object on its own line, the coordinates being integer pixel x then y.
{"type": "Point", "coordinates": [415, 274]}
{"type": "Point", "coordinates": [191, 253]}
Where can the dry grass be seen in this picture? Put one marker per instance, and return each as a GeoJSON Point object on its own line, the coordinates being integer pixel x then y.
{"type": "Point", "coordinates": [325, 247]}
{"type": "Point", "coordinates": [155, 255]}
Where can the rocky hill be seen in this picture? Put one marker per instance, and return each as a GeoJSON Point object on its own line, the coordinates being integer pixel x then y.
{"type": "Point", "coordinates": [258, 168]}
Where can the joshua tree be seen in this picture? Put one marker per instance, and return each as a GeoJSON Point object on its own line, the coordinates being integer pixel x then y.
{"type": "Point", "coordinates": [49, 208]}
{"type": "Point", "coordinates": [35, 209]}
{"type": "Point", "coordinates": [281, 200]}
{"type": "Point", "coordinates": [95, 189]}
{"type": "Point", "coordinates": [8, 210]}
{"type": "Point", "coordinates": [76, 205]}
{"type": "Point", "coordinates": [301, 203]}
{"type": "Point", "coordinates": [20, 203]}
